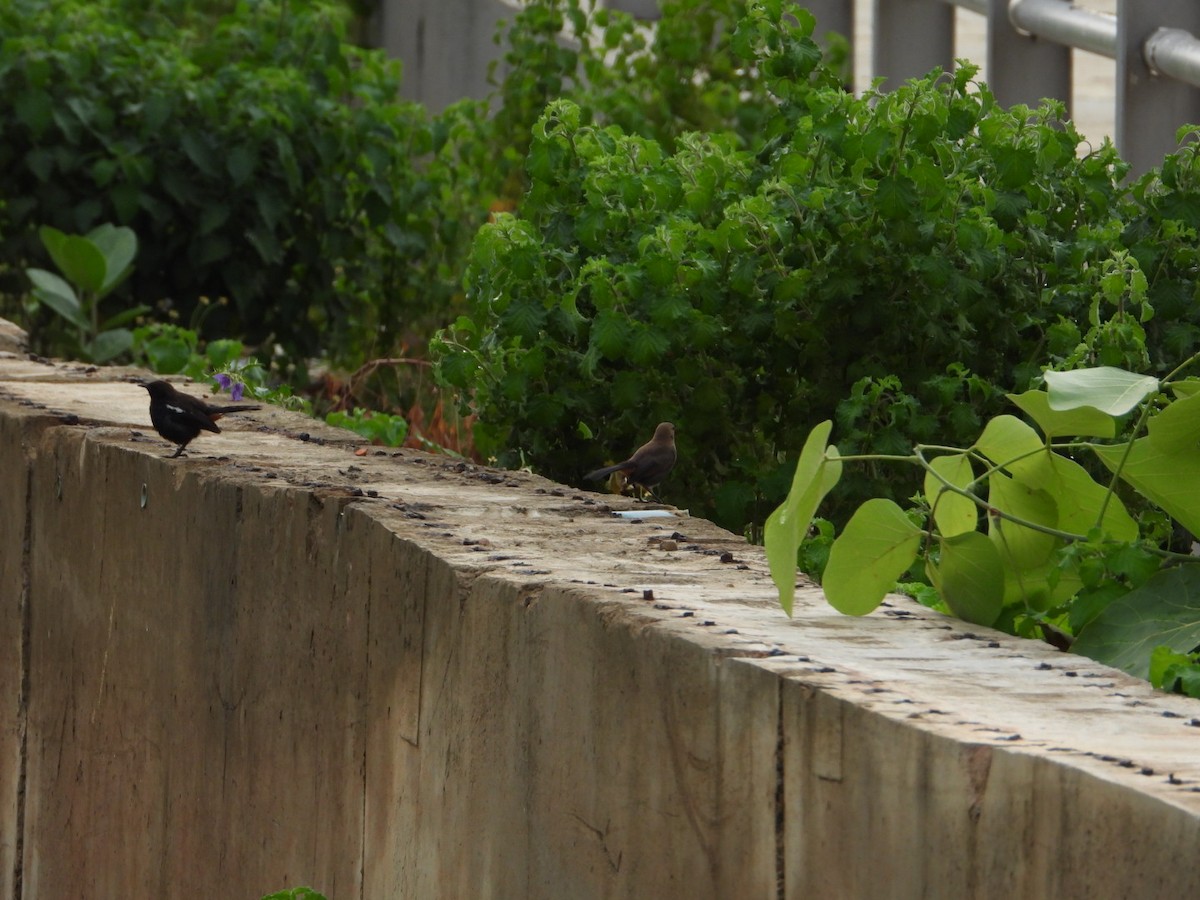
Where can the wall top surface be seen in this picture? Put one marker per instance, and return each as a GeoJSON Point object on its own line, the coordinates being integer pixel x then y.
{"type": "Point", "coordinates": [681, 574]}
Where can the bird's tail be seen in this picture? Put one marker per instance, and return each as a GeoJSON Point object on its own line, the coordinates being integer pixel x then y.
{"type": "Point", "coordinates": [600, 473]}
{"type": "Point", "coordinates": [228, 409]}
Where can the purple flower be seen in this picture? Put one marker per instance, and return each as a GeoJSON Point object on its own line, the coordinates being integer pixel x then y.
{"type": "Point", "coordinates": [226, 383]}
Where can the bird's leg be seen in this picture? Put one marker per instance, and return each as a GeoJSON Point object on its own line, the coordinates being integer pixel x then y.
{"type": "Point", "coordinates": [175, 455]}
{"type": "Point", "coordinates": [642, 492]}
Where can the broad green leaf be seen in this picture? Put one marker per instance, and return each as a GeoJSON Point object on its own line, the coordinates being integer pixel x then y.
{"type": "Point", "coordinates": [76, 257]}
{"type": "Point", "coordinates": [1164, 466]}
{"type": "Point", "coordinates": [1040, 587]}
{"type": "Point", "coordinates": [1039, 486]}
{"type": "Point", "coordinates": [970, 577]}
{"type": "Point", "coordinates": [1080, 499]}
{"type": "Point", "coordinates": [525, 318]}
{"type": "Point", "coordinates": [118, 245]}
{"type": "Point", "coordinates": [1082, 422]}
{"type": "Point", "coordinates": [1188, 387]}
{"type": "Point", "coordinates": [1165, 611]}
{"type": "Point", "coordinates": [1007, 440]}
{"type": "Point", "coordinates": [1177, 427]}
{"type": "Point", "coordinates": [953, 513]}
{"type": "Point", "coordinates": [167, 355]}
{"type": "Point", "coordinates": [1020, 547]}
{"type": "Point", "coordinates": [610, 334]}
{"type": "Point", "coordinates": [1088, 604]}
{"type": "Point", "coordinates": [647, 346]}
{"type": "Point", "coordinates": [51, 290]}
{"type": "Point", "coordinates": [109, 344]}
{"type": "Point", "coordinates": [877, 547]}
{"type": "Point", "coordinates": [895, 196]}
{"type": "Point", "coordinates": [1182, 679]}
{"type": "Point", "coordinates": [1014, 165]}
{"type": "Point", "coordinates": [1106, 388]}
{"type": "Point", "coordinates": [1077, 498]}
{"type": "Point", "coordinates": [222, 352]}
{"type": "Point", "coordinates": [817, 471]}
{"type": "Point", "coordinates": [1161, 659]}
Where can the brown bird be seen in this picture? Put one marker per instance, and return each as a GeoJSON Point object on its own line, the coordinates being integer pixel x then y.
{"type": "Point", "coordinates": [649, 465]}
{"type": "Point", "coordinates": [179, 417]}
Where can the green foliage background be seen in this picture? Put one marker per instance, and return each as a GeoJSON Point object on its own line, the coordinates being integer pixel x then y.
{"type": "Point", "coordinates": [258, 156]}
{"type": "Point", "coordinates": [893, 262]}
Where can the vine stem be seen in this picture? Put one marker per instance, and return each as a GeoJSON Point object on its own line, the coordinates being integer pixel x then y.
{"type": "Point", "coordinates": [918, 458]}
{"type": "Point", "coordinates": [992, 511]}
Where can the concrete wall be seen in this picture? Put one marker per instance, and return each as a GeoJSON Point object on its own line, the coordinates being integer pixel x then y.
{"type": "Point", "coordinates": [238, 671]}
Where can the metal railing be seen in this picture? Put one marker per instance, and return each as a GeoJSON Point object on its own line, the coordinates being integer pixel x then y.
{"type": "Point", "coordinates": [1029, 47]}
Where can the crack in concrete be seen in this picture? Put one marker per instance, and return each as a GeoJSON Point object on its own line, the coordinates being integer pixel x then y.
{"type": "Point", "coordinates": [23, 698]}
{"type": "Point", "coordinates": [364, 824]}
{"type": "Point", "coordinates": [780, 801]}
{"type": "Point", "coordinates": [601, 836]}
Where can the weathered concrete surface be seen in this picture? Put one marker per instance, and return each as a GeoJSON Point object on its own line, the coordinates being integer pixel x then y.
{"type": "Point", "coordinates": [275, 662]}
{"type": "Point", "coordinates": [13, 605]}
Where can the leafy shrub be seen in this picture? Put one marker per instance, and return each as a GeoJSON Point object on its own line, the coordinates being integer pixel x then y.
{"type": "Point", "coordinates": [1161, 232]}
{"type": "Point", "coordinates": [677, 77]}
{"type": "Point", "coordinates": [377, 427]}
{"type": "Point", "coordinates": [1175, 672]}
{"type": "Point", "coordinates": [262, 159]}
{"type": "Point", "coordinates": [300, 893]}
{"type": "Point", "coordinates": [93, 265]}
{"type": "Point", "coordinates": [924, 245]}
{"type": "Point", "coordinates": [660, 83]}
{"type": "Point", "coordinates": [173, 350]}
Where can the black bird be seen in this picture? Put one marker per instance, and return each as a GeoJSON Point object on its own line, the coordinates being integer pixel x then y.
{"type": "Point", "coordinates": [649, 464]}
{"type": "Point", "coordinates": [179, 417]}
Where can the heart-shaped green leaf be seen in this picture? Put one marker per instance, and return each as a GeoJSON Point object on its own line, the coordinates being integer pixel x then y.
{"type": "Point", "coordinates": [1083, 421]}
{"type": "Point", "coordinates": [1106, 388]}
{"type": "Point", "coordinates": [1165, 611]}
{"type": "Point", "coordinates": [118, 246]}
{"type": "Point", "coordinates": [970, 577]}
{"type": "Point", "coordinates": [51, 290]}
{"type": "Point", "coordinates": [953, 513]}
{"type": "Point", "coordinates": [877, 547]}
{"type": "Point", "coordinates": [817, 471]}
{"type": "Point", "coordinates": [76, 257]}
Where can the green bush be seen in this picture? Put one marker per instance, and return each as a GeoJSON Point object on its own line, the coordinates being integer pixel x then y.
{"type": "Point", "coordinates": [1161, 232]}
{"type": "Point", "coordinates": [910, 249]}
{"type": "Point", "coordinates": [300, 893]}
{"type": "Point", "coordinates": [661, 83]}
{"type": "Point", "coordinates": [91, 267]}
{"type": "Point", "coordinates": [257, 156]}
